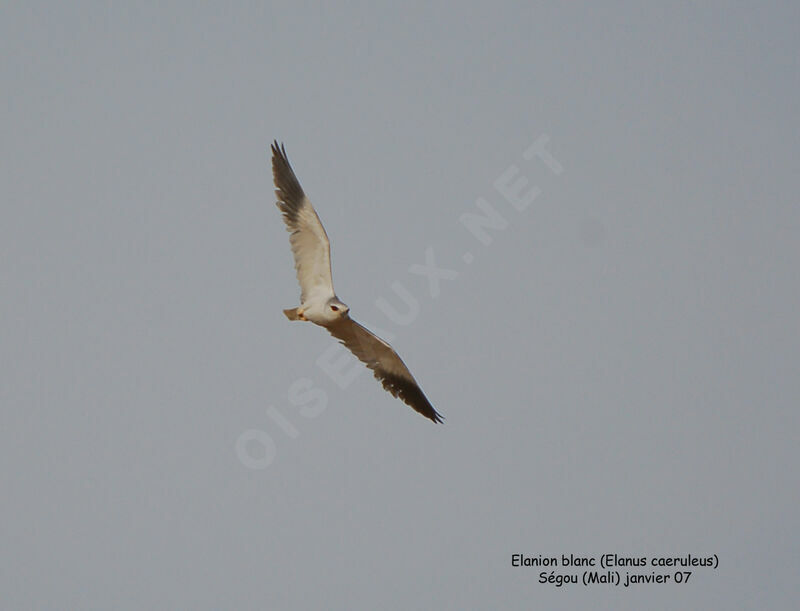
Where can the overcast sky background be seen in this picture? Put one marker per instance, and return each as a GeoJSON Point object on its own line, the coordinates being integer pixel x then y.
{"type": "Point", "coordinates": [617, 368]}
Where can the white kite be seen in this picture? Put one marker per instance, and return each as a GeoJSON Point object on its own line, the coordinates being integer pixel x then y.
{"type": "Point", "coordinates": [318, 302]}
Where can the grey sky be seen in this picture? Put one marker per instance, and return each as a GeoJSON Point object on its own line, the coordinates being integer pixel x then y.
{"type": "Point", "coordinates": [618, 367]}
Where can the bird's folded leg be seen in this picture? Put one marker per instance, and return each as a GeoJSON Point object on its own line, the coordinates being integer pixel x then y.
{"type": "Point", "coordinates": [294, 314]}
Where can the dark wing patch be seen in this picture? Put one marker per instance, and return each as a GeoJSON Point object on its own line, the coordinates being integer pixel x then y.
{"type": "Point", "coordinates": [288, 190]}
{"type": "Point", "coordinates": [410, 393]}
{"type": "Point", "coordinates": [385, 363]}
{"type": "Point", "coordinates": [310, 245]}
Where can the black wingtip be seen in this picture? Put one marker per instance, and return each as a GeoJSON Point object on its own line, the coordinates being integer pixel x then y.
{"type": "Point", "coordinates": [409, 393]}
{"type": "Point", "coordinates": [280, 160]}
{"type": "Point", "coordinates": [431, 412]}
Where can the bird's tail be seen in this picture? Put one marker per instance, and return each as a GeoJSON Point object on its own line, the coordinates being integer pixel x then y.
{"type": "Point", "coordinates": [291, 314]}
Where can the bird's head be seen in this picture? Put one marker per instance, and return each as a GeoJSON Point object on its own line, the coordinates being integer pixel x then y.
{"type": "Point", "coordinates": [336, 309]}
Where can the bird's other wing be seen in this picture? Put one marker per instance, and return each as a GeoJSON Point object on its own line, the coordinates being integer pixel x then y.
{"type": "Point", "coordinates": [310, 245]}
{"type": "Point", "coordinates": [385, 363]}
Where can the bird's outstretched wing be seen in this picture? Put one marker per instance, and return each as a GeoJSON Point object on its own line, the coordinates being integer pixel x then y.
{"type": "Point", "coordinates": [384, 362]}
{"type": "Point", "coordinates": [310, 245]}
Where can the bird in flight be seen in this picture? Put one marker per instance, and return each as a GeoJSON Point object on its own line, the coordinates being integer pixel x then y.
{"type": "Point", "coordinates": [318, 301]}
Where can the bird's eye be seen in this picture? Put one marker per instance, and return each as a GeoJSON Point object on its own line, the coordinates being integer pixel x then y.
{"type": "Point", "coordinates": [334, 308]}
